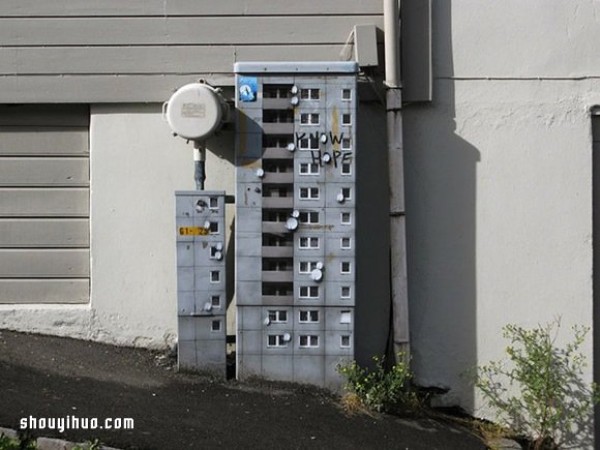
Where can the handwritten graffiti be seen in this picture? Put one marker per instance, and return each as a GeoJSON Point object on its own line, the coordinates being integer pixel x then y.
{"type": "Point", "coordinates": [336, 157]}
{"type": "Point", "coordinates": [316, 137]}
{"type": "Point", "coordinates": [311, 141]}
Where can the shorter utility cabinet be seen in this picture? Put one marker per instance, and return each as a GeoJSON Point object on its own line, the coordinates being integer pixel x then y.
{"type": "Point", "coordinates": [201, 300]}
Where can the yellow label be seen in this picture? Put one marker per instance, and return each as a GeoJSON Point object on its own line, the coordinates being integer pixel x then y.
{"type": "Point", "coordinates": [193, 231]}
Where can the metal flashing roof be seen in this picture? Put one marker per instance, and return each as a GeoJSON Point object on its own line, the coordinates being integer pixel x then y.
{"type": "Point", "coordinates": [296, 67]}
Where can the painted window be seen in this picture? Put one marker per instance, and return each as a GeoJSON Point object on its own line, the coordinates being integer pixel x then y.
{"type": "Point", "coordinates": [345, 267]}
{"type": "Point", "coordinates": [309, 169]}
{"type": "Point", "coordinates": [346, 316]}
{"type": "Point", "coordinates": [276, 340]}
{"type": "Point", "coordinates": [309, 143]}
{"type": "Point", "coordinates": [308, 316]}
{"type": "Point", "coordinates": [308, 242]}
{"type": "Point", "coordinates": [345, 243]}
{"type": "Point", "coordinates": [309, 291]}
{"type": "Point", "coordinates": [309, 217]}
{"type": "Point", "coordinates": [214, 252]}
{"type": "Point", "coordinates": [278, 316]}
{"type": "Point", "coordinates": [309, 341]}
{"type": "Point", "coordinates": [309, 193]}
{"type": "Point", "coordinates": [310, 94]}
{"type": "Point", "coordinates": [345, 341]}
{"type": "Point", "coordinates": [307, 266]}
{"type": "Point", "coordinates": [309, 119]}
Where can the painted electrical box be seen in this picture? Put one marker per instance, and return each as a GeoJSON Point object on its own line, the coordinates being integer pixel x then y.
{"type": "Point", "coordinates": [201, 301]}
{"type": "Point", "coordinates": [295, 219]}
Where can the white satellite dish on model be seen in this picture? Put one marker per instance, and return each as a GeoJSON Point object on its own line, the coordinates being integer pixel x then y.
{"type": "Point", "coordinates": [195, 112]}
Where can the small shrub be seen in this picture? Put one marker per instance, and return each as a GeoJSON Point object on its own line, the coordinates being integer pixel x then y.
{"type": "Point", "coordinates": [378, 389]}
{"type": "Point", "coordinates": [545, 397]}
{"type": "Point", "coordinates": [89, 445]}
{"type": "Point", "coordinates": [7, 443]}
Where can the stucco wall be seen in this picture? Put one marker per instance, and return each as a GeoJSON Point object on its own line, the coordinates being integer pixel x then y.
{"type": "Point", "coordinates": [136, 165]}
{"type": "Point", "coordinates": [498, 172]}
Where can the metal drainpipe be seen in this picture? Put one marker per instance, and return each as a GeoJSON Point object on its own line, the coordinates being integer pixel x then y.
{"type": "Point", "coordinates": [399, 292]}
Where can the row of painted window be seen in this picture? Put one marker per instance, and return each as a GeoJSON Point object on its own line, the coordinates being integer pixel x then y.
{"type": "Point", "coordinates": [313, 243]}
{"type": "Point", "coordinates": [279, 340]}
{"type": "Point", "coordinates": [304, 193]}
{"type": "Point", "coordinates": [270, 215]}
{"type": "Point", "coordinates": [304, 168]}
{"type": "Point", "coordinates": [303, 291]}
{"type": "Point", "coordinates": [304, 341]}
{"type": "Point", "coordinates": [305, 217]}
{"type": "Point", "coordinates": [283, 91]}
{"type": "Point", "coordinates": [304, 266]}
{"type": "Point", "coordinates": [314, 292]}
{"type": "Point", "coordinates": [312, 142]}
{"type": "Point", "coordinates": [304, 243]}
{"type": "Point", "coordinates": [315, 94]}
{"type": "Point", "coordinates": [315, 119]}
{"type": "Point", "coordinates": [314, 193]}
{"type": "Point", "coordinates": [315, 169]}
{"type": "Point", "coordinates": [306, 316]}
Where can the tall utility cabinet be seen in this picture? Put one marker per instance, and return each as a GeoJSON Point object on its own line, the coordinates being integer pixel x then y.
{"type": "Point", "coordinates": [295, 219]}
{"type": "Point", "coordinates": [201, 301]}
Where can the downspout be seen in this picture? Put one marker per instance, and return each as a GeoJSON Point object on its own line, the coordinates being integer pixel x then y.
{"type": "Point", "coordinates": [399, 292]}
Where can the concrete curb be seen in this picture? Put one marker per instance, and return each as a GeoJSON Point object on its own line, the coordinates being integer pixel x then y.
{"type": "Point", "coordinates": [44, 443]}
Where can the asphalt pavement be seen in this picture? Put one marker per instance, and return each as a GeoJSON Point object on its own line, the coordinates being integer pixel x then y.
{"type": "Point", "coordinates": [45, 377]}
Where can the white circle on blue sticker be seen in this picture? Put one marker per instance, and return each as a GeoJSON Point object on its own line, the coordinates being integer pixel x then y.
{"type": "Point", "coordinates": [246, 93]}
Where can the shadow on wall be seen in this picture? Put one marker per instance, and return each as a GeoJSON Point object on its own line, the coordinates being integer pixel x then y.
{"type": "Point", "coordinates": [440, 176]}
{"type": "Point", "coordinates": [372, 311]}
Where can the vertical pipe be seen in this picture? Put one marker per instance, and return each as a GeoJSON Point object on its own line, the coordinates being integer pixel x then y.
{"type": "Point", "coordinates": [398, 276]}
{"type": "Point", "coordinates": [199, 165]}
{"type": "Point", "coordinates": [391, 26]}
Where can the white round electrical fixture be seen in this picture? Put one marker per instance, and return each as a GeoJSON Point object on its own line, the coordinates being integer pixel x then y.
{"type": "Point", "coordinates": [195, 111]}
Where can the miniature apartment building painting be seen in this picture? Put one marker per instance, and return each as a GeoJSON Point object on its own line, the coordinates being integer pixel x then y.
{"type": "Point", "coordinates": [295, 219]}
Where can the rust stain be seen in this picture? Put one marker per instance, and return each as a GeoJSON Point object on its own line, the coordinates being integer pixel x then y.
{"type": "Point", "coordinates": [335, 126]}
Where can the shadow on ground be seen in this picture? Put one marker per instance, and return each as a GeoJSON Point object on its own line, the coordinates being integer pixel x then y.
{"type": "Point", "coordinates": [43, 376]}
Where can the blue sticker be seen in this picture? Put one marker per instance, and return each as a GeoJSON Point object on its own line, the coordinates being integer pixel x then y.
{"type": "Point", "coordinates": [247, 89]}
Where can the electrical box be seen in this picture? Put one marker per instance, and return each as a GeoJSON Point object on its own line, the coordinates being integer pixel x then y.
{"type": "Point", "coordinates": [201, 300]}
{"type": "Point", "coordinates": [195, 111]}
{"type": "Point", "coordinates": [295, 219]}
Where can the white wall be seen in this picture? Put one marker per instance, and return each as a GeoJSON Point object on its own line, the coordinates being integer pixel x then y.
{"type": "Point", "coordinates": [498, 170]}
{"type": "Point", "coordinates": [136, 165]}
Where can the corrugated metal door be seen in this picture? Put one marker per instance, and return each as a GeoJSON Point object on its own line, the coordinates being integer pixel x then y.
{"type": "Point", "coordinates": [44, 204]}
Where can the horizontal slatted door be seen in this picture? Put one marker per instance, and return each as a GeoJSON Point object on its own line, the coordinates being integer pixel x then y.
{"type": "Point", "coordinates": [44, 204]}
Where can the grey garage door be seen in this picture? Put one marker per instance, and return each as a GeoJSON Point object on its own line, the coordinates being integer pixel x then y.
{"type": "Point", "coordinates": [44, 204]}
